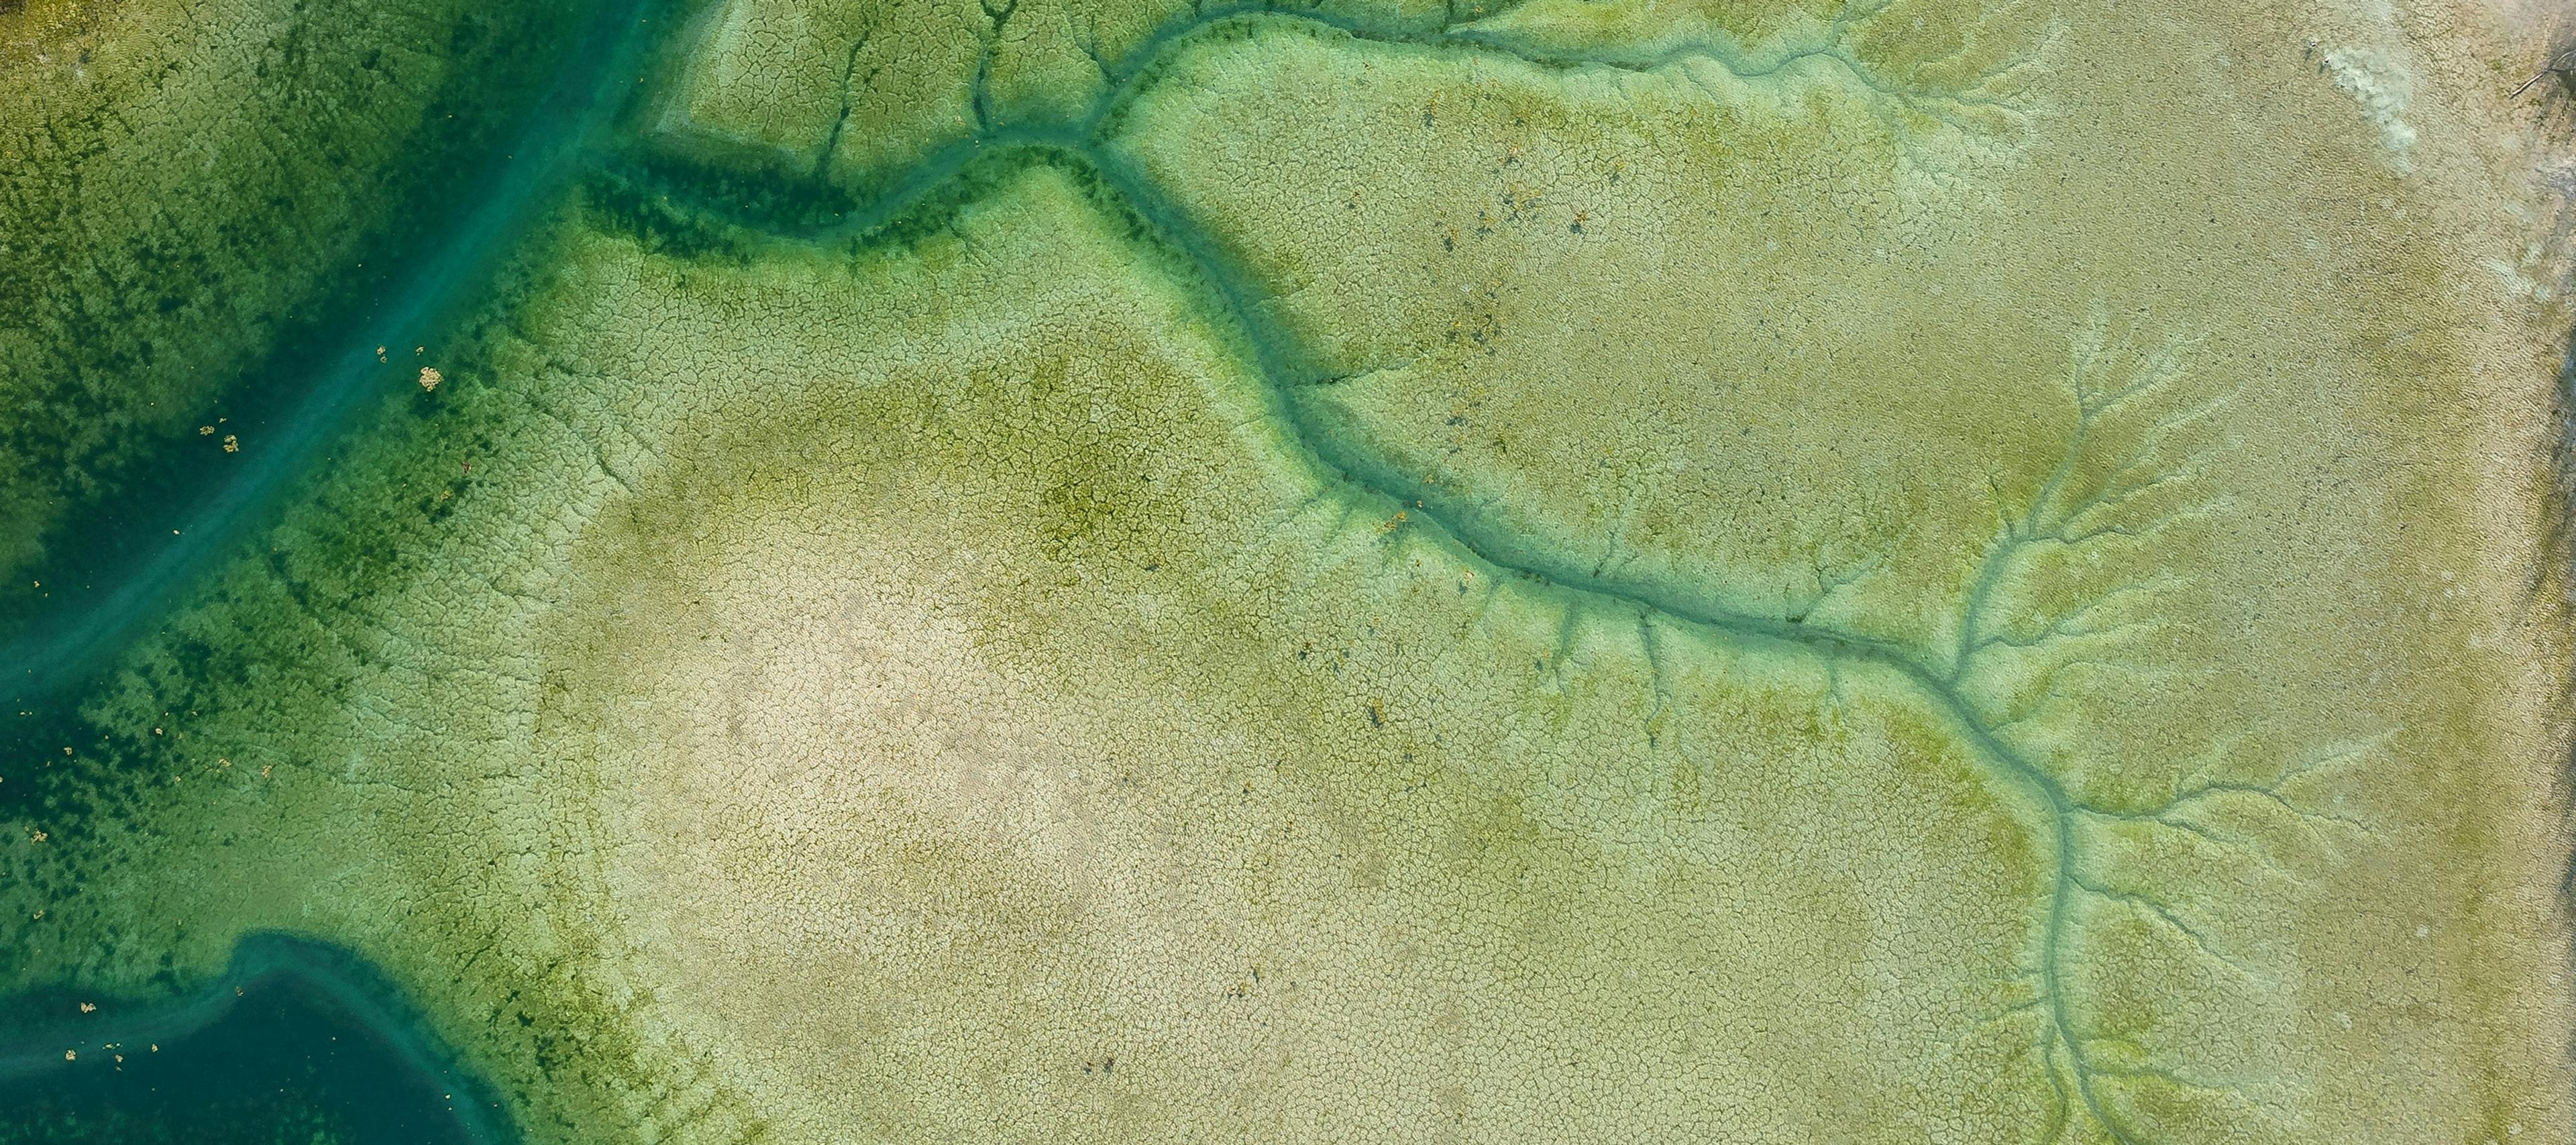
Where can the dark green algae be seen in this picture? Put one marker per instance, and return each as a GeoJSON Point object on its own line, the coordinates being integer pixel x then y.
{"type": "Point", "coordinates": [295, 1040]}
{"type": "Point", "coordinates": [122, 488]}
{"type": "Point", "coordinates": [134, 545]}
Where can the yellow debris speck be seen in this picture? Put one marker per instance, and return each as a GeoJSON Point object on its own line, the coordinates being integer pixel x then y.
{"type": "Point", "coordinates": [89, 1007]}
{"type": "Point", "coordinates": [205, 431]}
{"type": "Point", "coordinates": [232, 443]}
{"type": "Point", "coordinates": [430, 377]}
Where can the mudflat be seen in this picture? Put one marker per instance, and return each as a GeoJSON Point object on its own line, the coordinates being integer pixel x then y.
{"type": "Point", "coordinates": [1901, 570]}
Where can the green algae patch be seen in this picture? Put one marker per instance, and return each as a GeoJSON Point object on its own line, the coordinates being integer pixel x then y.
{"type": "Point", "coordinates": [193, 204]}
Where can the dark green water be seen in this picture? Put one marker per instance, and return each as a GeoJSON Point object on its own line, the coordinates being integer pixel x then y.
{"type": "Point", "coordinates": [298, 1042]}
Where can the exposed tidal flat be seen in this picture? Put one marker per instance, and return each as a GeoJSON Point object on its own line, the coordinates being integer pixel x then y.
{"type": "Point", "coordinates": [1905, 571]}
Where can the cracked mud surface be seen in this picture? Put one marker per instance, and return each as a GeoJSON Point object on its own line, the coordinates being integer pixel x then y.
{"type": "Point", "coordinates": [1850, 572]}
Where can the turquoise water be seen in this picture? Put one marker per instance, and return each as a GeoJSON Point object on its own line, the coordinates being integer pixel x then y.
{"type": "Point", "coordinates": [299, 1042]}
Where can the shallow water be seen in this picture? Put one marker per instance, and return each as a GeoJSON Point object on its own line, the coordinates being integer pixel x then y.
{"type": "Point", "coordinates": [299, 1042]}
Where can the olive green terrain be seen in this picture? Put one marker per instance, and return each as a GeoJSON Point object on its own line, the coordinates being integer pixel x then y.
{"type": "Point", "coordinates": [1901, 571]}
{"type": "Point", "coordinates": [190, 198]}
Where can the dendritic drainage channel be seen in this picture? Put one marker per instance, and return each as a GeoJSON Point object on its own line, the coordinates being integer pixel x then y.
{"type": "Point", "coordinates": [1981, 106]}
{"type": "Point", "coordinates": [2117, 477]}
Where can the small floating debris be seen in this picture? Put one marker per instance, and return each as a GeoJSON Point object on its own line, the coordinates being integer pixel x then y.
{"type": "Point", "coordinates": [430, 377]}
{"type": "Point", "coordinates": [232, 443]}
